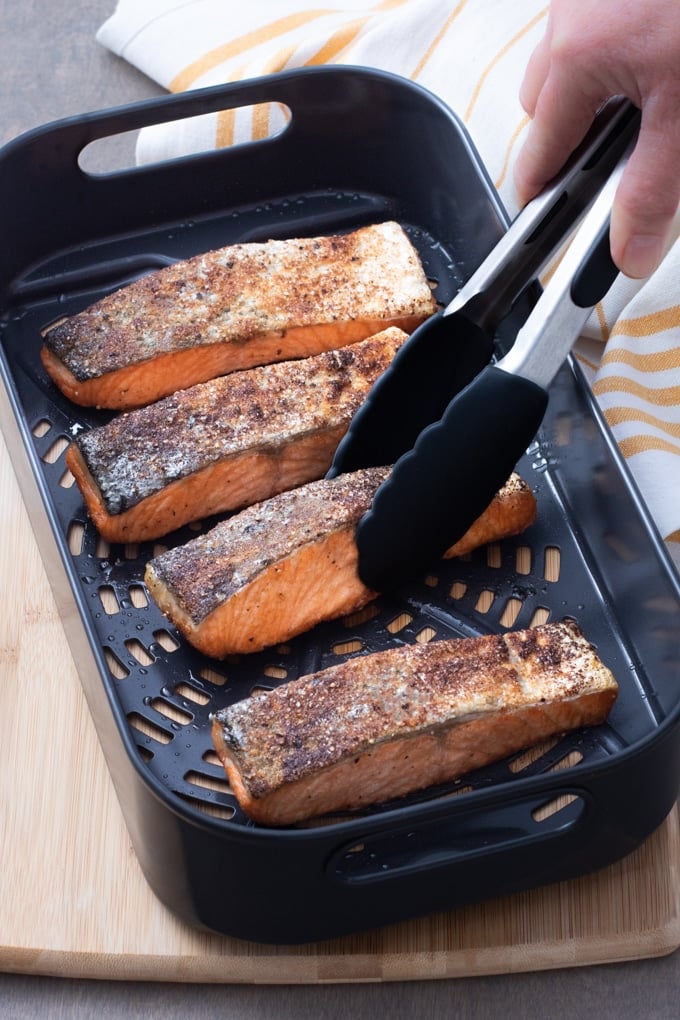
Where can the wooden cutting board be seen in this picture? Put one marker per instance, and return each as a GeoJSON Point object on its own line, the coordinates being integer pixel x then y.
{"type": "Point", "coordinates": [74, 902]}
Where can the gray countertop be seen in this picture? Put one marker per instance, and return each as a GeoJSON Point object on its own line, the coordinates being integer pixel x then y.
{"type": "Point", "coordinates": [53, 68]}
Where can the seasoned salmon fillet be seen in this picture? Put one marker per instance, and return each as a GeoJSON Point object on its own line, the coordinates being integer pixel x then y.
{"type": "Point", "coordinates": [224, 444]}
{"type": "Point", "coordinates": [234, 308]}
{"type": "Point", "coordinates": [281, 566]}
{"type": "Point", "coordinates": [382, 725]}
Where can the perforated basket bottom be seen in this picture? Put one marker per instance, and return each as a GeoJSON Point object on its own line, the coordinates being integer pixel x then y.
{"type": "Point", "coordinates": [167, 691]}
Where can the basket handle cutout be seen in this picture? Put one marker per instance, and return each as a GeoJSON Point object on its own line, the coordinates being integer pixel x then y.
{"type": "Point", "coordinates": [229, 127]}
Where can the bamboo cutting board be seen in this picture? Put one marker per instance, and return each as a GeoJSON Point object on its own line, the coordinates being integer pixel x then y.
{"type": "Point", "coordinates": [74, 902]}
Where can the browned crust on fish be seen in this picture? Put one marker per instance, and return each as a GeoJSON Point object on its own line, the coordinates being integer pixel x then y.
{"type": "Point", "coordinates": [234, 308]}
{"type": "Point", "coordinates": [278, 568]}
{"type": "Point", "coordinates": [382, 725]}
{"type": "Point", "coordinates": [224, 444]}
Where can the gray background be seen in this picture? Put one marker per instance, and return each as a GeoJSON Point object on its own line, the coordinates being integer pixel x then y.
{"type": "Point", "coordinates": [52, 67]}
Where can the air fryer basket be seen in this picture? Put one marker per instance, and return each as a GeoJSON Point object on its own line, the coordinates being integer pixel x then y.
{"type": "Point", "coordinates": [360, 146]}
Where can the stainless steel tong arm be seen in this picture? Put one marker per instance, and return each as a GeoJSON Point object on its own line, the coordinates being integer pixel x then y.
{"type": "Point", "coordinates": [547, 221]}
{"type": "Point", "coordinates": [558, 317]}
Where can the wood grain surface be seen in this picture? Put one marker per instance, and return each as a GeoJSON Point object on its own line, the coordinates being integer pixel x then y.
{"type": "Point", "coordinates": [75, 902]}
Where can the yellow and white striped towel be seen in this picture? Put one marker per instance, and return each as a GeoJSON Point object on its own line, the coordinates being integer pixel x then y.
{"type": "Point", "coordinates": [471, 53]}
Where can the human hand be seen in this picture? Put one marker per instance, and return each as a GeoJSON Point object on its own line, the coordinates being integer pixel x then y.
{"type": "Point", "coordinates": [592, 50]}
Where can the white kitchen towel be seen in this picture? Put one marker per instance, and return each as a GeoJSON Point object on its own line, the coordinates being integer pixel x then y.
{"type": "Point", "coordinates": [472, 54]}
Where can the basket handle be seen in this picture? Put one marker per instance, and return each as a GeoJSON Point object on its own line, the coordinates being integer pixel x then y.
{"type": "Point", "coordinates": [463, 839]}
{"type": "Point", "coordinates": [56, 205]}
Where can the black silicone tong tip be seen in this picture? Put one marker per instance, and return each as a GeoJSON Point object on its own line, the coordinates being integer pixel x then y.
{"type": "Point", "coordinates": [501, 415]}
{"type": "Point", "coordinates": [394, 414]}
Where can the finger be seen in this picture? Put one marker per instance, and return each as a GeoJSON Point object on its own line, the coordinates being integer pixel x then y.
{"type": "Point", "coordinates": [535, 75]}
{"type": "Point", "coordinates": [648, 195]}
{"type": "Point", "coordinates": [562, 118]}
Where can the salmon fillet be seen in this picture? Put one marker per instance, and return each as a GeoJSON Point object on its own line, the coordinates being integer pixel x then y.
{"type": "Point", "coordinates": [382, 725]}
{"type": "Point", "coordinates": [234, 308]}
{"type": "Point", "coordinates": [226, 443]}
{"type": "Point", "coordinates": [281, 566]}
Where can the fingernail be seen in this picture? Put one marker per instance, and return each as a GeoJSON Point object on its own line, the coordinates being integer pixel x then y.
{"type": "Point", "coordinates": [642, 255]}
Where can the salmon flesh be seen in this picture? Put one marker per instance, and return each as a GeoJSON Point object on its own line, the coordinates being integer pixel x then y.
{"type": "Point", "coordinates": [280, 567]}
{"type": "Point", "coordinates": [382, 725]}
{"type": "Point", "coordinates": [224, 444]}
{"type": "Point", "coordinates": [234, 308]}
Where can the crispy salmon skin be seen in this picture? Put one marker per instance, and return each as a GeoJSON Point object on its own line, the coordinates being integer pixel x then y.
{"type": "Point", "coordinates": [226, 443]}
{"type": "Point", "coordinates": [382, 725]}
{"type": "Point", "coordinates": [281, 566]}
{"type": "Point", "coordinates": [236, 307]}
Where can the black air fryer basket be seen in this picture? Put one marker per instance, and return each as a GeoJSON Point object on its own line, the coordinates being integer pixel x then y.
{"type": "Point", "coordinates": [360, 147]}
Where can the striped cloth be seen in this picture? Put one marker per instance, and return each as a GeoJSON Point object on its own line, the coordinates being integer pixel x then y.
{"type": "Point", "coordinates": [471, 53]}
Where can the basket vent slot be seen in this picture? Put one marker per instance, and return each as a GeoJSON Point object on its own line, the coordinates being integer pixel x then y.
{"type": "Point", "coordinates": [166, 640]}
{"type": "Point", "coordinates": [170, 711]}
{"type": "Point", "coordinates": [533, 754]}
{"type": "Point", "coordinates": [67, 480]}
{"type": "Point", "coordinates": [116, 667]}
{"type": "Point", "coordinates": [399, 622]}
{"type": "Point", "coordinates": [74, 537]}
{"type": "Point", "coordinates": [362, 616]}
{"type": "Point", "coordinates": [148, 729]}
{"type": "Point", "coordinates": [208, 782]}
{"type": "Point", "coordinates": [275, 672]}
{"type": "Point", "coordinates": [138, 596]}
{"type": "Point", "coordinates": [41, 428]}
{"type": "Point", "coordinates": [541, 615]}
{"type": "Point", "coordinates": [568, 761]}
{"type": "Point", "coordinates": [211, 676]}
{"type": "Point", "coordinates": [552, 566]}
{"type": "Point", "coordinates": [138, 652]}
{"type": "Point", "coordinates": [493, 556]}
{"type": "Point", "coordinates": [102, 549]}
{"type": "Point", "coordinates": [54, 452]}
{"type": "Point", "coordinates": [554, 806]}
{"type": "Point", "coordinates": [260, 689]}
{"type": "Point", "coordinates": [347, 647]}
{"type": "Point", "coordinates": [107, 597]}
{"type": "Point", "coordinates": [485, 601]}
{"type": "Point", "coordinates": [523, 558]}
{"type": "Point", "coordinates": [222, 811]}
{"type": "Point", "coordinates": [191, 694]}
{"type": "Point", "coordinates": [512, 610]}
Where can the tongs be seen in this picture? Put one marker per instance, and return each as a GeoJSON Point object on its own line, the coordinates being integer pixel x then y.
{"type": "Point", "coordinates": [452, 421]}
